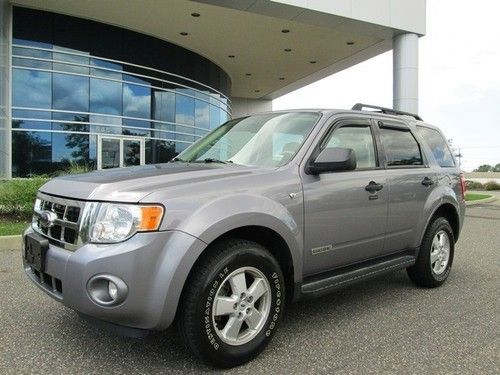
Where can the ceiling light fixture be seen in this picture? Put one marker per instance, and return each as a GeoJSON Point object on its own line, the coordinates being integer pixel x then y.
{"type": "Point", "coordinates": [282, 78]}
{"type": "Point", "coordinates": [184, 33]}
{"type": "Point", "coordinates": [257, 90]}
{"type": "Point", "coordinates": [288, 50]}
{"type": "Point", "coordinates": [350, 43]}
{"type": "Point", "coordinates": [248, 74]}
{"type": "Point", "coordinates": [285, 31]}
{"type": "Point", "coordinates": [313, 62]}
{"type": "Point", "coordinates": [231, 56]}
{"type": "Point", "coordinates": [195, 14]}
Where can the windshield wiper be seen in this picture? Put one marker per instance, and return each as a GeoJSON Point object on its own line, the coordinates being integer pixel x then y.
{"type": "Point", "coordinates": [212, 160]}
{"type": "Point", "coordinates": [176, 159]}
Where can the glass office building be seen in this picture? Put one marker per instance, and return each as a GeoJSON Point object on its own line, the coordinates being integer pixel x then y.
{"type": "Point", "coordinates": [100, 96]}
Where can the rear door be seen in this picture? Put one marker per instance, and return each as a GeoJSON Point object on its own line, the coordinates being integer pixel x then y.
{"type": "Point", "coordinates": [410, 181]}
{"type": "Point", "coordinates": [344, 221]}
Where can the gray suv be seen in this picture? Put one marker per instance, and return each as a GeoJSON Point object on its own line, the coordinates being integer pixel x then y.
{"type": "Point", "coordinates": [264, 210]}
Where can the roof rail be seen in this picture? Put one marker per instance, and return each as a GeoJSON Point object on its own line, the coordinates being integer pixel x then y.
{"type": "Point", "coordinates": [387, 111]}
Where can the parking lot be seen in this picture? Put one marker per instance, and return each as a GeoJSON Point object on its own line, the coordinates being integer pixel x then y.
{"type": "Point", "coordinates": [380, 326]}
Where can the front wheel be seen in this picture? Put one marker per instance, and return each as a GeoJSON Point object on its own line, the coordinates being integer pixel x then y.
{"type": "Point", "coordinates": [232, 303]}
{"type": "Point", "coordinates": [435, 256]}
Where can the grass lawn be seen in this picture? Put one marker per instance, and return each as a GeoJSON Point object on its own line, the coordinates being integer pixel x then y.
{"type": "Point", "coordinates": [474, 197]}
{"type": "Point", "coordinates": [11, 227]}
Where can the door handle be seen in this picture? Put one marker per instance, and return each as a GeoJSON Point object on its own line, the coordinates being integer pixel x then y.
{"type": "Point", "coordinates": [373, 187]}
{"type": "Point", "coordinates": [427, 181]}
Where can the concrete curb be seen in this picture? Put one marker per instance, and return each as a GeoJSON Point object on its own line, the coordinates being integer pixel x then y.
{"type": "Point", "coordinates": [10, 242]}
{"type": "Point", "coordinates": [481, 201]}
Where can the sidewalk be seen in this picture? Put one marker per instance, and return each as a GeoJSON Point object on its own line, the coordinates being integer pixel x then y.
{"type": "Point", "coordinates": [10, 242]}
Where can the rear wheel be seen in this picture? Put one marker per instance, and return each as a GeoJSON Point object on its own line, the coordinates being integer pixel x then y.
{"type": "Point", "coordinates": [232, 303]}
{"type": "Point", "coordinates": [435, 256]}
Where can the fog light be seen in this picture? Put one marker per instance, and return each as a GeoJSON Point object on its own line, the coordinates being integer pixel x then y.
{"type": "Point", "coordinates": [107, 290]}
{"type": "Point", "coordinates": [112, 290]}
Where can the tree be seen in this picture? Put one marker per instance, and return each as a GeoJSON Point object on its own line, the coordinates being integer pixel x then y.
{"type": "Point", "coordinates": [484, 168]}
{"type": "Point", "coordinates": [496, 168]}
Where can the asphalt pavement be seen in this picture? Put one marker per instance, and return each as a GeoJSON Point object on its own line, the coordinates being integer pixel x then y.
{"type": "Point", "coordinates": [385, 325]}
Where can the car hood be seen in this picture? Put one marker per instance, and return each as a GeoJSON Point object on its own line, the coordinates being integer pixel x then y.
{"type": "Point", "coordinates": [132, 184]}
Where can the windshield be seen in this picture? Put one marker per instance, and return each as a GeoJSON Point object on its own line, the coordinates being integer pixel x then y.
{"type": "Point", "coordinates": [263, 140]}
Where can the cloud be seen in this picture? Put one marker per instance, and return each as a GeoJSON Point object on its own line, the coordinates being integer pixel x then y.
{"type": "Point", "coordinates": [136, 103]}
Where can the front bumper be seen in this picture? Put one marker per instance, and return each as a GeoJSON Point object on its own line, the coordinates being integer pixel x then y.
{"type": "Point", "coordinates": [154, 266]}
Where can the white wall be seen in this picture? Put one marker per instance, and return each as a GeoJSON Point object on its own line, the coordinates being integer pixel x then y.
{"type": "Point", "coordinates": [405, 15]}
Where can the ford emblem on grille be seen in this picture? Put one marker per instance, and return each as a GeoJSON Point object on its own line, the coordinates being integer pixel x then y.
{"type": "Point", "coordinates": [47, 219]}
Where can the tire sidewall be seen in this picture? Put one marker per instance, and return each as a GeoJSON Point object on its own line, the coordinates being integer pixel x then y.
{"type": "Point", "coordinates": [209, 340]}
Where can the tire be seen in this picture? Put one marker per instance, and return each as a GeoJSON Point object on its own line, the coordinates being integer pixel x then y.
{"type": "Point", "coordinates": [433, 265]}
{"type": "Point", "coordinates": [214, 289]}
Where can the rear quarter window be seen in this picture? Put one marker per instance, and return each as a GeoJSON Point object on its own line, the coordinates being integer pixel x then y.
{"type": "Point", "coordinates": [438, 146]}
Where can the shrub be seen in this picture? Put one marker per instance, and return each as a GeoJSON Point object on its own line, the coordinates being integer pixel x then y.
{"type": "Point", "coordinates": [73, 168]}
{"type": "Point", "coordinates": [474, 185]}
{"type": "Point", "coordinates": [492, 185]}
{"type": "Point", "coordinates": [17, 196]}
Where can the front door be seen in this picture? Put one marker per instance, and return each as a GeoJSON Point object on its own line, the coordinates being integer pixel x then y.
{"type": "Point", "coordinates": [115, 152]}
{"type": "Point", "coordinates": [346, 212]}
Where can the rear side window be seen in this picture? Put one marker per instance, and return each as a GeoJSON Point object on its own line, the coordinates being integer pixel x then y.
{"type": "Point", "coordinates": [400, 147]}
{"type": "Point", "coordinates": [438, 146]}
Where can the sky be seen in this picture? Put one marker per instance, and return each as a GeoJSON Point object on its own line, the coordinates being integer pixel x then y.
{"type": "Point", "coordinates": [459, 79]}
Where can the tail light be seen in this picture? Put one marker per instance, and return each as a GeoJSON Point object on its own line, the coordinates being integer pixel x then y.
{"type": "Point", "coordinates": [463, 186]}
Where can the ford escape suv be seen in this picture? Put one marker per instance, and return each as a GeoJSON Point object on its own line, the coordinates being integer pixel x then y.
{"type": "Point", "coordinates": [262, 211]}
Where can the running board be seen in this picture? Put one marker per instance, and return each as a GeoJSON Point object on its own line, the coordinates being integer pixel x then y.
{"type": "Point", "coordinates": [350, 275]}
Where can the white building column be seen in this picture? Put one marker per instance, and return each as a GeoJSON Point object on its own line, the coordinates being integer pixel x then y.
{"type": "Point", "coordinates": [244, 107]}
{"type": "Point", "coordinates": [405, 72]}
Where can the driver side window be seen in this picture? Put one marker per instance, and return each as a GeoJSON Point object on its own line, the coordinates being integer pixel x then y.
{"type": "Point", "coordinates": [358, 138]}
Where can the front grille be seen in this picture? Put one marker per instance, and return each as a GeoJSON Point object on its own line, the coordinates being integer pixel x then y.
{"type": "Point", "coordinates": [63, 230]}
{"type": "Point", "coordinates": [48, 282]}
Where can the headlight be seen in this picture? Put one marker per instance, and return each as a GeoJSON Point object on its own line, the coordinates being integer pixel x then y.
{"type": "Point", "coordinates": [114, 222]}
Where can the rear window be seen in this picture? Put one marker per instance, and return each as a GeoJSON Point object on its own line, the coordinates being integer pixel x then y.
{"type": "Point", "coordinates": [400, 147]}
{"type": "Point", "coordinates": [438, 146]}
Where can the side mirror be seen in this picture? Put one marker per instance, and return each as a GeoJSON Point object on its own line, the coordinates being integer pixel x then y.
{"type": "Point", "coordinates": [333, 160]}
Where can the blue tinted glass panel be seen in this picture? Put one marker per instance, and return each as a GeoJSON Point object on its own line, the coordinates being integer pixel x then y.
{"type": "Point", "coordinates": [105, 124]}
{"type": "Point", "coordinates": [136, 127]}
{"type": "Point", "coordinates": [185, 138]}
{"type": "Point", "coordinates": [80, 117]}
{"type": "Point", "coordinates": [92, 151]}
{"type": "Point", "coordinates": [18, 61]}
{"type": "Point", "coordinates": [184, 107]}
{"type": "Point", "coordinates": [223, 116]}
{"type": "Point", "coordinates": [159, 151]}
{"type": "Point", "coordinates": [31, 88]}
{"type": "Point", "coordinates": [70, 92]}
{"type": "Point", "coordinates": [70, 62]}
{"type": "Point", "coordinates": [70, 148]}
{"type": "Point", "coordinates": [108, 69]}
{"type": "Point", "coordinates": [202, 114]}
{"type": "Point", "coordinates": [22, 61]}
{"type": "Point", "coordinates": [214, 117]}
{"type": "Point", "coordinates": [136, 101]}
{"type": "Point", "coordinates": [105, 96]}
{"type": "Point", "coordinates": [70, 126]}
{"type": "Point", "coordinates": [27, 124]}
{"type": "Point", "coordinates": [31, 153]}
{"type": "Point", "coordinates": [26, 113]}
{"type": "Point", "coordinates": [164, 131]}
{"type": "Point", "coordinates": [179, 147]}
{"type": "Point", "coordinates": [164, 106]}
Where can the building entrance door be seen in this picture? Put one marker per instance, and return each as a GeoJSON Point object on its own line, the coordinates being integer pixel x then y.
{"type": "Point", "coordinates": [115, 152]}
